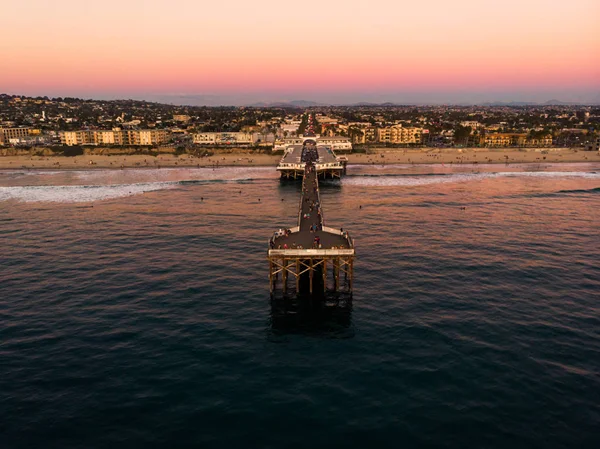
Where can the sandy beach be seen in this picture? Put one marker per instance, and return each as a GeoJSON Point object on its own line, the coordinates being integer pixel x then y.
{"type": "Point", "coordinates": [375, 156]}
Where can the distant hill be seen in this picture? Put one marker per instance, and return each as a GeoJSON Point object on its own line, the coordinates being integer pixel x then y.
{"type": "Point", "coordinates": [552, 102]}
{"type": "Point", "coordinates": [287, 104]}
{"type": "Point", "coordinates": [559, 103]}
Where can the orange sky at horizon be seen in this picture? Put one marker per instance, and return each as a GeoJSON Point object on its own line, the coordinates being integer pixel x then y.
{"type": "Point", "coordinates": [184, 46]}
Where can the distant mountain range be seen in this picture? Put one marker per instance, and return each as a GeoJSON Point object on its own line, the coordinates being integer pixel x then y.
{"type": "Point", "coordinates": [300, 104]}
{"type": "Point", "coordinates": [531, 103]}
{"type": "Point", "coordinates": [231, 101]}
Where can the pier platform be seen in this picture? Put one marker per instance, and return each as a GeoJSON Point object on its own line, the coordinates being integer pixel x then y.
{"type": "Point", "coordinates": [327, 164]}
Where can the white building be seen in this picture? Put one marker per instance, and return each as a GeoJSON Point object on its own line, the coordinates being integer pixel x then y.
{"type": "Point", "coordinates": [225, 138]}
{"type": "Point", "coordinates": [325, 120]}
{"type": "Point", "coordinates": [290, 126]}
{"type": "Point", "coordinates": [471, 124]}
{"type": "Point", "coordinates": [336, 143]}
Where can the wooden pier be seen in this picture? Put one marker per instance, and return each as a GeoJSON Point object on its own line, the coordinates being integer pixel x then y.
{"type": "Point", "coordinates": [310, 259]}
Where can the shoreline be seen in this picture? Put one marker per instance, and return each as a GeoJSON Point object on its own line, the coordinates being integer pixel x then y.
{"type": "Point", "coordinates": [380, 156]}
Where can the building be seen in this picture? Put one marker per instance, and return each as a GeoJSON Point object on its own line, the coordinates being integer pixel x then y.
{"type": "Point", "coordinates": [325, 120]}
{"type": "Point", "coordinates": [337, 143]}
{"type": "Point", "coordinates": [113, 137]}
{"type": "Point", "coordinates": [594, 145]}
{"type": "Point", "coordinates": [514, 140]}
{"type": "Point", "coordinates": [8, 134]}
{"type": "Point", "coordinates": [543, 141]}
{"type": "Point", "coordinates": [146, 137]}
{"type": "Point", "coordinates": [225, 138]}
{"type": "Point", "coordinates": [471, 124]}
{"type": "Point", "coordinates": [397, 134]}
{"type": "Point", "coordinates": [362, 135]}
{"type": "Point", "coordinates": [290, 126]}
{"type": "Point", "coordinates": [503, 140]}
{"type": "Point", "coordinates": [71, 138]}
{"type": "Point", "coordinates": [181, 118]}
{"type": "Point", "coordinates": [283, 145]}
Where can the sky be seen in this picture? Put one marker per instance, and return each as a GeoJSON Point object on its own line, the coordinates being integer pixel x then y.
{"type": "Point", "coordinates": [329, 51]}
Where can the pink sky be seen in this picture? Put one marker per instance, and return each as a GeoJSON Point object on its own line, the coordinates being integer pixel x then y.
{"type": "Point", "coordinates": [138, 47]}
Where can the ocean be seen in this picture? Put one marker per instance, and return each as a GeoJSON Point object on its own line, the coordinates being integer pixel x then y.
{"type": "Point", "coordinates": [135, 310]}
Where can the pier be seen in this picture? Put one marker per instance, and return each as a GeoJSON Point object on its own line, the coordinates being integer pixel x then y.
{"type": "Point", "coordinates": [310, 258]}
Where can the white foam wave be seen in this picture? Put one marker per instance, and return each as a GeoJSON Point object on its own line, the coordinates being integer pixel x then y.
{"type": "Point", "coordinates": [417, 180]}
{"type": "Point", "coordinates": [78, 194]}
{"type": "Point", "coordinates": [553, 174]}
{"type": "Point", "coordinates": [403, 180]}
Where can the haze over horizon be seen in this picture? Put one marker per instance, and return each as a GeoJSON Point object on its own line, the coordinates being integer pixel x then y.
{"type": "Point", "coordinates": [238, 53]}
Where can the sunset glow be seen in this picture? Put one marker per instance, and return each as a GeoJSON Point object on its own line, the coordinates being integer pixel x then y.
{"type": "Point", "coordinates": [311, 48]}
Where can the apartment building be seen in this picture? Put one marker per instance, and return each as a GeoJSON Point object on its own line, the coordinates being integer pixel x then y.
{"type": "Point", "coordinates": [514, 140]}
{"type": "Point", "coordinates": [6, 134]}
{"type": "Point", "coordinates": [71, 138]}
{"type": "Point", "coordinates": [362, 135]}
{"type": "Point", "coordinates": [145, 137]}
{"type": "Point", "coordinates": [544, 141]}
{"type": "Point", "coordinates": [397, 134]}
{"type": "Point", "coordinates": [503, 140]}
{"type": "Point", "coordinates": [114, 137]}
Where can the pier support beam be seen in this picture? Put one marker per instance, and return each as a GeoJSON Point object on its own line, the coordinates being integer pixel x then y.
{"type": "Point", "coordinates": [297, 276]}
{"type": "Point", "coordinates": [324, 275]}
{"type": "Point", "coordinates": [285, 276]}
{"type": "Point", "coordinates": [351, 275]}
{"type": "Point", "coordinates": [310, 275]}
{"type": "Point", "coordinates": [336, 274]}
{"type": "Point", "coordinates": [271, 282]}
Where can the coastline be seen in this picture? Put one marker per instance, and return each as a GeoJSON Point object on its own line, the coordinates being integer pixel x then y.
{"type": "Point", "coordinates": [377, 156]}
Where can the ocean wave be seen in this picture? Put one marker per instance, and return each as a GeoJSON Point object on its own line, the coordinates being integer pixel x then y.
{"type": "Point", "coordinates": [99, 192]}
{"type": "Point", "coordinates": [385, 180]}
{"type": "Point", "coordinates": [411, 180]}
{"type": "Point", "coordinates": [79, 194]}
{"type": "Point", "coordinates": [595, 190]}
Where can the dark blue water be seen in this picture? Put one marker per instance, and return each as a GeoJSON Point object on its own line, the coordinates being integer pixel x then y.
{"type": "Point", "coordinates": [135, 311]}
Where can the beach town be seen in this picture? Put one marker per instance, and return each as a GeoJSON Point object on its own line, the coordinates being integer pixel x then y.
{"type": "Point", "coordinates": [67, 133]}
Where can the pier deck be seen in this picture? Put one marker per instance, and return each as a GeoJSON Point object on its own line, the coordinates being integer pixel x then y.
{"type": "Point", "coordinates": [311, 215]}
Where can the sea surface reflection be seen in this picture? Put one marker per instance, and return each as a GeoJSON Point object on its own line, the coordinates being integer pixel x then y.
{"type": "Point", "coordinates": [135, 310]}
